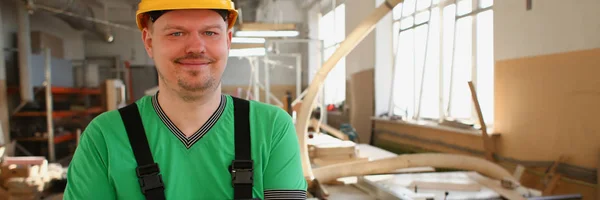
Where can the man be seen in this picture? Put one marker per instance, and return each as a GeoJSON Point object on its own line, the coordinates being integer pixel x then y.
{"type": "Point", "coordinates": [189, 129]}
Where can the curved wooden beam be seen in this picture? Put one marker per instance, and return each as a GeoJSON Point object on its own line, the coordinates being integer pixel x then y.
{"type": "Point", "coordinates": [353, 39]}
{"type": "Point", "coordinates": [436, 160]}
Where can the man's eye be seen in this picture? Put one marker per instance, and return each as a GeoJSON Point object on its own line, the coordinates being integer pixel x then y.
{"type": "Point", "coordinates": [209, 33]}
{"type": "Point", "coordinates": [177, 34]}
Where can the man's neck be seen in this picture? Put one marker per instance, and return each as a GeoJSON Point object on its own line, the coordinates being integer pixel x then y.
{"type": "Point", "coordinates": [189, 115]}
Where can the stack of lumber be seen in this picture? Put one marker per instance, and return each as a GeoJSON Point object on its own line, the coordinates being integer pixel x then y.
{"type": "Point", "coordinates": [25, 178]}
{"type": "Point", "coordinates": [326, 150]}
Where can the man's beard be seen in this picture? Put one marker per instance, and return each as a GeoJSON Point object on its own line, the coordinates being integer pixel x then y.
{"type": "Point", "coordinates": [209, 82]}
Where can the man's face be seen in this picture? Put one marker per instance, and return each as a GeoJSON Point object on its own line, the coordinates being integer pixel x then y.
{"type": "Point", "coordinates": [190, 49]}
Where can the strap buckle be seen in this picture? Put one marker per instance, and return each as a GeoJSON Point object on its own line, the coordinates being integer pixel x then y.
{"type": "Point", "coordinates": [149, 177]}
{"type": "Point", "coordinates": [242, 172]}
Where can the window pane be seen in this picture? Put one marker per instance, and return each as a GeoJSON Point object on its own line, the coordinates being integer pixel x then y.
{"type": "Point", "coordinates": [464, 7]}
{"type": "Point", "coordinates": [485, 64]}
{"type": "Point", "coordinates": [404, 75]}
{"type": "Point", "coordinates": [406, 23]}
{"type": "Point", "coordinates": [448, 39]}
{"type": "Point", "coordinates": [460, 107]}
{"type": "Point", "coordinates": [430, 103]}
{"type": "Point", "coordinates": [397, 12]}
{"type": "Point", "coordinates": [395, 32]}
{"type": "Point", "coordinates": [435, 2]}
{"type": "Point", "coordinates": [420, 42]}
{"type": "Point", "coordinates": [422, 17]}
{"type": "Point", "coordinates": [326, 31]}
{"type": "Point", "coordinates": [485, 3]}
{"type": "Point", "coordinates": [340, 23]}
{"type": "Point", "coordinates": [335, 83]}
{"type": "Point", "coordinates": [409, 7]}
{"type": "Point", "coordinates": [422, 4]}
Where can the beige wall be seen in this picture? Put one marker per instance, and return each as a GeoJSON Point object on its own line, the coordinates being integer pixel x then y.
{"type": "Point", "coordinates": [551, 26]}
{"type": "Point", "coordinates": [547, 106]}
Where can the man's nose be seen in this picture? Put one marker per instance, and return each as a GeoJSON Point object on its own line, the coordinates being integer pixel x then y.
{"type": "Point", "coordinates": [195, 44]}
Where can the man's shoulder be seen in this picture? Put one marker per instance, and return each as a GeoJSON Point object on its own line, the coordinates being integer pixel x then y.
{"type": "Point", "coordinates": [266, 110]}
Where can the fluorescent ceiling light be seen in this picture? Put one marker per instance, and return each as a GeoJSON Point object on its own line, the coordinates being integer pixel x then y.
{"type": "Point", "coordinates": [246, 40]}
{"type": "Point", "coordinates": [267, 33]}
{"type": "Point", "coordinates": [247, 52]}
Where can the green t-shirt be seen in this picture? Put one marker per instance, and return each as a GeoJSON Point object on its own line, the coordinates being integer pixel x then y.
{"type": "Point", "coordinates": [194, 167]}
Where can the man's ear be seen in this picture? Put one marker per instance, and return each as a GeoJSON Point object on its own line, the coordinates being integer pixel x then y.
{"type": "Point", "coordinates": [147, 38]}
{"type": "Point", "coordinates": [229, 38]}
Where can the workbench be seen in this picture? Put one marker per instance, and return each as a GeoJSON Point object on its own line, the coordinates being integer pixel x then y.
{"type": "Point", "coordinates": [401, 183]}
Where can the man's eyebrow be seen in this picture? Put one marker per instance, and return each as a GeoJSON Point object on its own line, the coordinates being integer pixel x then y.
{"type": "Point", "coordinates": [168, 26]}
{"type": "Point", "coordinates": [211, 26]}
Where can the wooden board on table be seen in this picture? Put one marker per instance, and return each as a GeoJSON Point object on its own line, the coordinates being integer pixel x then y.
{"type": "Point", "coordinates": [495, 185]}
{"type": "Point", "coordinates": [444, 186]}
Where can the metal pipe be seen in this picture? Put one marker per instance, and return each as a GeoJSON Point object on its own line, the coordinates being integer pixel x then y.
{"type": "Point", "coordinates": [2, 64]}
{"type": "Point", "coordinates": [129, 81]}
{"type": "Point", "coordinates": [49, 120]}
{"type": "Point", "coordinates": [298, 58]}
{"type": "Point", "coordinates": [256, 80]}
{"type": "Point", "coordinates": [80, 16]}
{"type": "Point", "coordinates": [298, 75]}
{"type": "Point", "coordinates": [4, 109]}
{"type": "Point", "coordinates": [271, 96]}
{"type": "Point", "coordinates": [24, 45]}
{"type": "Point", "coordinates": [267, 80]}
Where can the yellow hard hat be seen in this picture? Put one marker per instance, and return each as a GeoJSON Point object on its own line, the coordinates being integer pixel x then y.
{"type": "Point", "coordinates": [157, 5]}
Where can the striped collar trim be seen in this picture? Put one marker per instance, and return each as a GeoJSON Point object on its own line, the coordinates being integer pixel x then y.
{"type": "Point", "coordinates": [189, 141]}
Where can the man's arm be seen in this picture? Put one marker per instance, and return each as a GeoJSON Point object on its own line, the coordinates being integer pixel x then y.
{"type": "Point", "coordinates": [283, 177]}
{"type": "Point", "coordinates": [87, 176]}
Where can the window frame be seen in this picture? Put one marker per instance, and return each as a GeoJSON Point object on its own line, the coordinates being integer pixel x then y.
{"type": "Point", "coordinates": [397, 29]}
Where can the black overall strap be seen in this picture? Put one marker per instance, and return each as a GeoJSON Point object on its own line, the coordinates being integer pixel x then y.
{"type": "Point", "coordinates": [242, 167]}
{"type": "Point", "coordinates": [147, 171]}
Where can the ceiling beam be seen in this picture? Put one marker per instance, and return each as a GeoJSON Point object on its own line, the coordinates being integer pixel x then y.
{"type": "Point", "coordinates": [266, 27]}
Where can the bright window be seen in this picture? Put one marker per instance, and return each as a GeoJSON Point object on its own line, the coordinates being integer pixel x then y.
{"type": "Point", "coordinates": [434, 62]}
{"type": "Point", "coordinates": [332, 30]}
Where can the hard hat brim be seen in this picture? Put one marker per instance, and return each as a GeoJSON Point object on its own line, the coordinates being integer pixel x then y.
{"type": "Point", "coordinates": [147, 6]}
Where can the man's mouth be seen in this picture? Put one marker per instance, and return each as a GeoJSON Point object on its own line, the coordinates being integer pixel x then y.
{"type": "Point", "coordinates": [193, 62]}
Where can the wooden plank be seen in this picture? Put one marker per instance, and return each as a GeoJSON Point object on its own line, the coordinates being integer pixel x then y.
{"type": "Point", "coordinates": [246, 45]}
{"type": "Point", "coordinates": [552, 185]}
{"type": "Point", "coordinates": [4, 194]}
{"type": "Point", "coordinates": [496, 186]}
{"type": "Point", "coordinates": [325, 151]}
{"type": "Point", "coordinates": [487, 143]}
{"type": "Point", "coordinates": [24, 160]}
{"type": "Point", "coordinates": [267, 27]}
{"type": "Point", "coordinates": [61, 113]}
{"type": "Point", "coordinates": [439, 160]}
{"type": "Point", "coordinates": [337, 133]}
{"type": "Point", "coordinates": [519, 172]}
{"type": "Point", "coordinates": [551, 178]}
{"type": "Point", "coordinates": [444, 186]}
{"type": "Point", "coordinates": [331, 161]}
